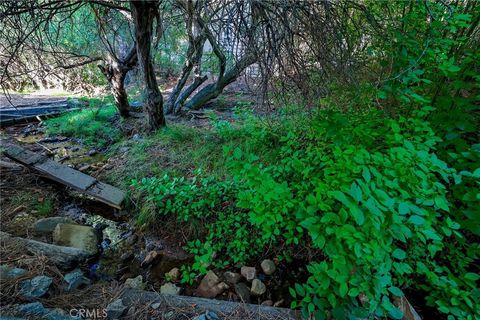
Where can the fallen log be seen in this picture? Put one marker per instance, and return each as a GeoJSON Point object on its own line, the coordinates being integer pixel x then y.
{"type": "Point", "coordinates": [65, 175]}
{"type": "Point", "coordinates": [62, 257]}
{"type": "Point", "coordinates": [194, 305]}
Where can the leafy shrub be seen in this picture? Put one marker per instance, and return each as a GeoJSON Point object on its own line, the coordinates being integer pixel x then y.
{"type": "Point", "coordinates": [365, 191]}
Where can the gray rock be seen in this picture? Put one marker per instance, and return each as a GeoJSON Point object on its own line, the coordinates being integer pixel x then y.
{"type": "Point", "coordinates": [7, 272]}
{"type": "Point", "coordinates": [75, 279]}
{"type": "Point", "coordinates": [135, 283]}
{"type": "Point", "coordinates": [35, 287]}
{"type": "Point", "coordinates": [156, 305]}
{"type": "Point", "coordinates": [232, 277]}
{"type": "Point", "coordinates": [62, 257]}
{"type": "Point", "coordinates": [116, 309]}
{"type": "Point", "coordinates": [268, 267]}
{"type": "Point", "coordinates": [47, 225]}
{"type": "Point", "coordinates": [210, 286]}
{"type": "Point", "coordinates": [243, 292]}
{"type": "Point", "coordinates": [170, 288]}
{"type": "Point", "coordinates": [258, 288]}
{"type": "Point", "coordinates": [81, 237]}
{"type": "Point", "coordinates": [249, 273]}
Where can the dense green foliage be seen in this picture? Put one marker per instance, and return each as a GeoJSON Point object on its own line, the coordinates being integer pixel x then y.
{"type": "Point", "coordinates": [388, 200]}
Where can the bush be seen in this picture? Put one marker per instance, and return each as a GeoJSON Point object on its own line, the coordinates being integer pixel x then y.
{"type": "Point", "coordinates": [367, 192]}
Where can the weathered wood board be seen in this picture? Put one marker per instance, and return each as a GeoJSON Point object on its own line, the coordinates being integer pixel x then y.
{"type": "Point", "coordinates": [67, 176]}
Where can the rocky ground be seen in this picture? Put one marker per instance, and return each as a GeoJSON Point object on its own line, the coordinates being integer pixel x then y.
{"type": "Point", "coordinates": [63, 255]}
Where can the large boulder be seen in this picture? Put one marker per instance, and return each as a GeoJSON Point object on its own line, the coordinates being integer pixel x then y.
{"type": "Point", "coordinates": [81, 237]}
{"type": "Point", "coordinates": [47, 225]}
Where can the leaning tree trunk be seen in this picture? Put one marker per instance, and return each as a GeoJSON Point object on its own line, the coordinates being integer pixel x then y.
{"type": "Point", "coordinates": [213, 90]}
{"type": "Point", "coordinates": [115, 72]}
{"type": "Point", "coordinates": [143, 14]}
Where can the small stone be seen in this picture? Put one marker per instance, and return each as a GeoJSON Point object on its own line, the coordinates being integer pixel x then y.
{"type": "Point", "coordinates": [174, 274]}
{"type": "Point", "coordinates": [243, 292]}
{"type": "Point", "coordinates": [81, 237]}
{"type": "Point", "coordinates": [7, 272]}
{"type": "Point", "coordinates": [135, 283]}
{"type": "Point", "coordinates": [210, 286]}
{"type": "Point", "coordinates": [232, 277]}
{"type": "Point", "coordinates": [170, 288]}
{"type": "Point", "coordinates": [75, 279]}
{"type": "Point", "coordinates": [268, 267]}
{"type": "Point", "coordinates": [279, 303]}
{"type": "Point", "coordinates": [156, 305]}
{"type": "Point", "coordinates": [258, 288]}
{"type": "Point", "coordinates": [115, 309]}
{"type": "Point", "coordinates": [150, 257]}
{"type": "Point", "coordinates": [268, 303]}
{"type": "Point", "coordinates": [249, 273]}
{"type": "Point", "coordinates": [35, 287]}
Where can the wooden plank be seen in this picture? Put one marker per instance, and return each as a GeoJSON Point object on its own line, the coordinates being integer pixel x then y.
{"type": "Point", "coordinates": [111, 195]}
{"type": "Point", "coordinates": [67, 176]}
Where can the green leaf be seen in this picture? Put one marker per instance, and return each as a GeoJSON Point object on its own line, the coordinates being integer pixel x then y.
{"type": "Point", "coordinates": [403, 208]}
{"type": "Point", "coordinates": [343, 289]}
{"type": "Point", "coordinates": [355, 192]}
{"type": "Point", "coordinates": [357, 214]}
{"type": "Point", "coordinates": [366, 174]}
{"type": "Point", "coordinates": [396, 291]}
{"type": "Point", "coordinates": [399, 254]}
{"type": "Point", "coordinates": [441, 203]}
{"type": "Point", "coordinates": [396, 313]}
{"type": "Point", "coordinates": [472, 276]}
{"type": "Point", "coordinates": [416, 220]}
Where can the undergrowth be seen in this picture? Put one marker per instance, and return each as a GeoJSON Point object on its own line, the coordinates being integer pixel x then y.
{"type": "Point", "coordinates": [385, 190]}
{"type": "Point", "coordinates": [93, 125]}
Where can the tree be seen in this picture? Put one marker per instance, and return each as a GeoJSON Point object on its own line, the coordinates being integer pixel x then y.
{"type": "Point", "coordinates": [144, 13]}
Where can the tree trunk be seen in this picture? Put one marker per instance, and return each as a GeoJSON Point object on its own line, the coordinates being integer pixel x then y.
{"type": "Point", "coordinates": [194, 56]}
{"type": "Point", "coordinates": [115, 72]}
{"type": "Point", "coordinates": [213, 90]}
{"type": "Point", "coordinates": [143, 14]}
{"type": "Point", "coordinates": [120, 94]}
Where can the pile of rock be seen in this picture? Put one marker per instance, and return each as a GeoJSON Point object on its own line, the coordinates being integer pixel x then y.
{"type": "Point", "coordinates": [213, 285]}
